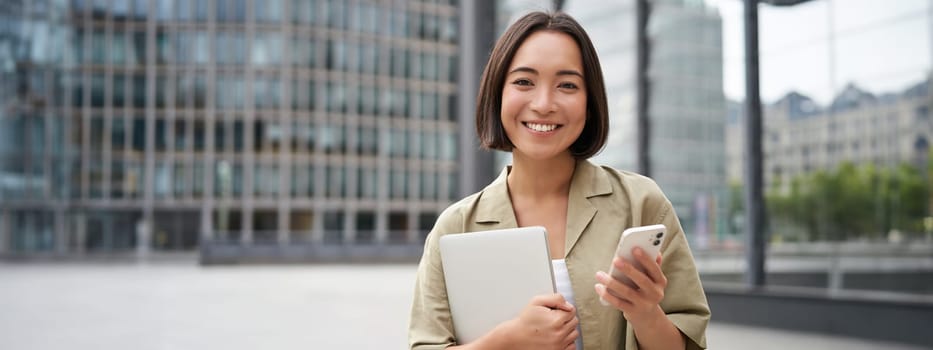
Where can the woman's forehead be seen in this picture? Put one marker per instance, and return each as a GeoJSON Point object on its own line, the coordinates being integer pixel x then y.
{"type": "Point", "coordinates": [548, 50]}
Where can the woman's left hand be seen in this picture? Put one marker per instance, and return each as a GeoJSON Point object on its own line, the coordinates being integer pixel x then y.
{"type": "Point", "coordinates": [640, 304]}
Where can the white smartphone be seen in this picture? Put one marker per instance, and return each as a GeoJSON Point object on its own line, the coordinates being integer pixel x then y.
{"type": "Point", "coordinates": [648, 238]}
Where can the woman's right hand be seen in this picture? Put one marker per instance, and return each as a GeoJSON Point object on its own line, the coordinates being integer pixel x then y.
{"type": "Point", "coordinates": [547, 322]}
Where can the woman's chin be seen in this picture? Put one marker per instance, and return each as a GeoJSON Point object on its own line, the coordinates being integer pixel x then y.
{"type": "Point", "coordinates": [541, 154]}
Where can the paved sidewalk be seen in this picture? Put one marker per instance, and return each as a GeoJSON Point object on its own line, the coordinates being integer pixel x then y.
{"type": "Point", "coordinates": [179, 305]}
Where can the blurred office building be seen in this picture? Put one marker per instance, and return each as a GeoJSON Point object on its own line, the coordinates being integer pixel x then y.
{"type": "Point", "coordinates": [685, 101]}
{"type": "Point", "coordinates": [137, 125]}
{"type": "Point", "coordinates": [887, 130]}
{"type": "Point", "coordinates": [858, 167]}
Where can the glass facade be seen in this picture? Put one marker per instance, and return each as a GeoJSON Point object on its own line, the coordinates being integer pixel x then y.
{"type": "Point", "coordinates": [846, 135]}
{"type": "Point", "coordinates": [233, 120]}
{"type": "Point", "coordinates": [845, 147]}
{"type": "Point", "coordinates": [686, 103]}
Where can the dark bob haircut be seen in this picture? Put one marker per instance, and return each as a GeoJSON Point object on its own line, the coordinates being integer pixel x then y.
{"type": "Point", "coordinates": [489, 100]}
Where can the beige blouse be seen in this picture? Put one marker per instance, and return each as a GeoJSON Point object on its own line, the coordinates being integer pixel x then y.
{"type": "Point", "coordinates": [603, 202]}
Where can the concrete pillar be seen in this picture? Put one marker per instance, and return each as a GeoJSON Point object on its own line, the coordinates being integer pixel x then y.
{"type": "Point", "coordinates": [143, 238]}
{"type": "Point", "coordinates": [60, 230]}
{"type": "Point", "coordinates": [349, 226]}
{"type": "Point", "coordinates": [80, 225]}
{"type": "Point", "coordinates": [412, 234]}
{"type": "Point", "coordinates": [317, 227]}
{"type": "Point", "coordinates": [381, 235]}
{"type": "Point", "coordinates": [477, 36]}
{"type": "Point", "coordinates": [4, 231]}
{"type": "Point", "coordinates": [207, 226]}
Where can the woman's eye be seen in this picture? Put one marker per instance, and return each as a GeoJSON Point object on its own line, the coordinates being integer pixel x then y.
{"type": "Point", "coordinates": [567, 86]}
{"type": "Point", "coordinates": [522, 82]}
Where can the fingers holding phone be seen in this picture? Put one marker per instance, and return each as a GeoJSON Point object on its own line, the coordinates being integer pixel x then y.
{"type": "Point", "coordinates": [635, 279]}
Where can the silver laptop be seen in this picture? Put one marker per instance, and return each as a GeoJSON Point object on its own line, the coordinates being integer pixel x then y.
{"type": "Point", "coordinates": [492, 275]}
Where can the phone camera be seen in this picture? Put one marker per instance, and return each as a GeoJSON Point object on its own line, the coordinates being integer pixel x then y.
{"type": "Point", "coordinates": [659, 234]}
{"type": "Point", "coordinates": [657, 242]}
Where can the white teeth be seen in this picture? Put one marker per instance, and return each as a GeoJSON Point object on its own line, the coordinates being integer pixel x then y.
{"type": "Point", "coordinates": [541, 127]}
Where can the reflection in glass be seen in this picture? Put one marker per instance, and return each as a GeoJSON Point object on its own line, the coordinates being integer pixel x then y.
{"type": "Point", "coordinates": [368, 183]}
{"type": "Point", "coordinates": [368, 140]}
{"type": "Point", "coordinates": [97, 133]}
{"type": "Point", "coordinates": [180, 176]}
{"type": "Point", "coordinates": [198, 180]}
{"type": "Point", "coordinates": [365, 226]}
{"type": "Point", "coordinates": [398, 182]}
{"type": "Point", "coordinates": [448, 145]}
{"type": "Point", "coordinates": [266, 180]}
{"type": "Point", "coordinates": [97, 90]}
{"type": "Point", "coordinates": [268, 10]}
{"type": "Point", "coordinates": [337, 17]}
{"type": "Point", "coordinates": [303, 52]}
{"type": "Point", "coordinates": [140, 8]}
{"type": "Point", "coordinates": [161, 185]}
{"type": "Point", "coordinates": [220, 135]}
{"type": "Point", "coordinates": [200, 9]}
{"type": "Point", "coordinates": [182, 9]}
{"type": "Point", "coordinates": [303, 11]}
{"type": "Point", "coordinates": [337, 55]}
{"type": "Point", "coordinates": [333, 227]}
{"type": "Point", "coordinates": [414, 143]}
{"type": "Point", "coordinates": [201, 47]}
{"type": "Point", "coordinates": [428, 185]}
{"type": "Point", "coordinates": [397, 143]}
{"type": "Point", "coordinates": [450, 30]}
{"type": "Point", "coordinates": [414, 65]}
{"type": "Point", "coordinates": [429, 145]}
{"type": "Point", "coordinates": [164, 9]}
{"type": "Point", "coordinates": [139, 91]}
{"type": "Point", "coordinates": [336, 182]}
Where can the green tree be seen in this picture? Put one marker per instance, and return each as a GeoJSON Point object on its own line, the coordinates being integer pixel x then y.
{"type": "Point", "coordinates": [850, 202]}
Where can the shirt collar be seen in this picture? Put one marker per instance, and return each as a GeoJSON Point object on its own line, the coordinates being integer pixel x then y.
{"type": "Point", "coordinates": [495, 205]}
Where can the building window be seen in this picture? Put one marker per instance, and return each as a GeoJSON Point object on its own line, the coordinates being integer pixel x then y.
{"type": "Point", "coordinates": [425, 225]}
{"type": "Point", "coordinates": [266, 180]}
{"type": "Point", "coordinates": [428, 185]}
{"type": "Point", "coordinates": [368, 183]}
{"type": "Point", "coordinates": [336, 182]}
{"type": "Point", "coordinates": [303, 11]}
{"type": "Point", "coordinates": [398, 227]}
{"type": "Point", "coordinates": [332, 138]}
{"type": "Point", "coordinates": [397, 143]}
{"type": "Point", "coordinates": [368, 140]}
{"type": "Point", "coordinates": [333, 227]}
{"type": "Point", "coordinates": [180, 176]}
{"type": "Point", "coordinates": [365, 227]}
{"type": "Point", "coordinates": [399, 184]}
{"type": "Point", "coordinates": [118, 134]}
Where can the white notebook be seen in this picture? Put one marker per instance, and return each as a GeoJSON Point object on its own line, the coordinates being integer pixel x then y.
{"type": "Point", "coordinates": [492, 275]}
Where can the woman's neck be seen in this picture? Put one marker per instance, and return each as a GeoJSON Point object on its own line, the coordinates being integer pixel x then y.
{"type": "Point", "coordinates": [539, 179]}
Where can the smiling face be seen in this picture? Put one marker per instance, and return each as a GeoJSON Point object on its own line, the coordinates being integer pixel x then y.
{"type": "Point", "coordinates": [544, 96]}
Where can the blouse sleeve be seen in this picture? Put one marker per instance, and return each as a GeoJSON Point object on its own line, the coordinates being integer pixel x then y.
{"type": "Point", "coordinates": [430, 326]}
{"type": "Point", "coordinates": [684, 299]}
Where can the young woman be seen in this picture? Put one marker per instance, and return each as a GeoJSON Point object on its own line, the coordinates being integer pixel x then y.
{"type": "Point", "coordinates": [542, 98]}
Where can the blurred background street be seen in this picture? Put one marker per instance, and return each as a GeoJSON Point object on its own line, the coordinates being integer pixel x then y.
{"type": "Point", "coordinates": [277, 164]}
{"type": "Point", "coordinates": [177, 304]}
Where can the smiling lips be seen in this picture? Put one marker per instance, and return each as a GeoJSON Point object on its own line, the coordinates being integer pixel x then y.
{"type": "Point", "coordinates": [541, 127]}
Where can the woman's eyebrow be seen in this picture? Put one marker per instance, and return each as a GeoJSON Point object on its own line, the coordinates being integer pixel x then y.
{"type": "Point", "coordinates": [533, 71]}
{"type": "Point", "coordinates": [523, 69]}
{"type": "Point", "coordinates": [569, 72]}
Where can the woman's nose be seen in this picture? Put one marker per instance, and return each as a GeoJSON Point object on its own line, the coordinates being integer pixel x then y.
{"type": "Point", "coordinates": [543, 101]}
